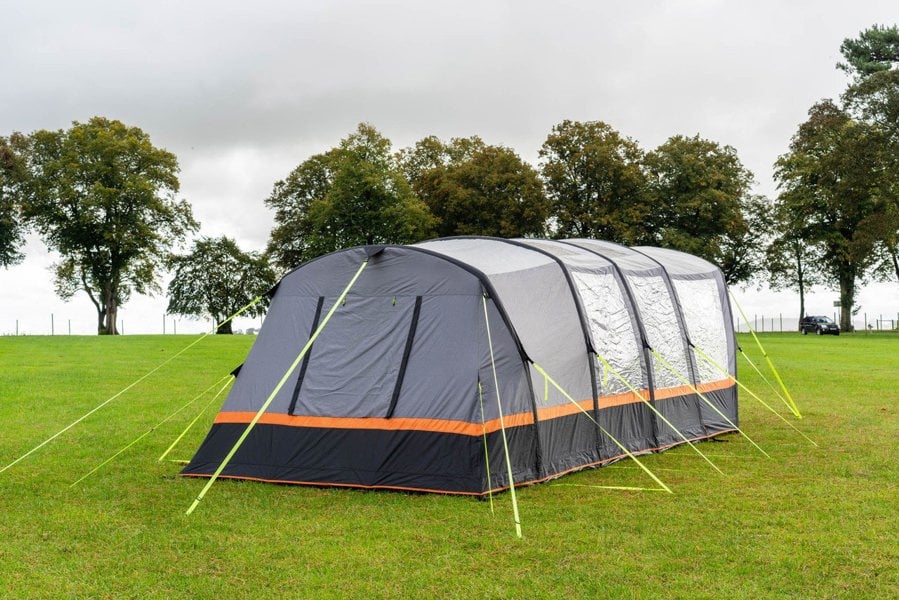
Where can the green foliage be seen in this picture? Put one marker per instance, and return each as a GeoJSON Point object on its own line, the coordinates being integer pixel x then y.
{"type": "Point", "coordinates": [217, 279]}
{"type": "Point", "coordinates": [595, 183]}
{"type": "Point", "coordinates": [352, 195]}
{"type": "Point", "coordinates": [831, 183]}
{"type": "Point", "coordinates": [701, 201]}
{"type": "Point", "coordinates": [873, 97]}
{"type": "Point", "coordinates": [875, 50]}
{"type": "Point", "coordinates": [12, 177]}
{"type": "Point", "coordinates": [791, 261]}
{"type": "Point", "coordinates": [476, 189]}
{"type": "Point", "coordinates": [102, 196]}
{"type": "Point", "coordinates": [757, 532]}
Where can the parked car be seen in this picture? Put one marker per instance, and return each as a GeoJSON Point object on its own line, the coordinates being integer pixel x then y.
{"type": "Point", "coordinates": [818, 325]}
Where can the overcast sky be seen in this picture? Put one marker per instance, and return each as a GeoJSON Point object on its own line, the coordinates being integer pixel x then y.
{"type": "Point", "coordinates": [242, 92]}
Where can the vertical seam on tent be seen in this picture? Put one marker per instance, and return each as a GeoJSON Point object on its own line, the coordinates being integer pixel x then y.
{"type": "Point", "coordinates": [296, 390]}
{"type": "Point", "coordinates": [407, 351]}
{"type": "Point", "coordinates": [682, 324]}
{"type": "Point", "coordinates": [641, 331]}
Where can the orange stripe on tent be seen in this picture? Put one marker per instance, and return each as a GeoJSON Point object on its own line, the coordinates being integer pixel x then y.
{"type": "Point", "coordinates": [458, 427]}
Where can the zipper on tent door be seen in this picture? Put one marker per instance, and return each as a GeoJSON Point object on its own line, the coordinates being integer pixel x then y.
{"type": "Point", "coordinates": [407, 351]}
{"type": "Point", "coordinates": [299, 384]}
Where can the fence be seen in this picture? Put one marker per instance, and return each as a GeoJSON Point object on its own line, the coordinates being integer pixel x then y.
{"type": "Point", "coordinates": [53, 324]}
{"type": "Point", "coordinates": [779, 323]}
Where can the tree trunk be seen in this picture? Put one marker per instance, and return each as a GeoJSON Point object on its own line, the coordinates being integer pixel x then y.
{"type": "Point", "coordinates": [224, 328]}
{"type": "Point", "coordinates": [801, 278]}
{"type": "Point", "coordinates": [111, 308]}
{"type": "Point", "coordinates": [101, 320]}
{"type": "Point", "coordinates": [847, 298]}
{"type": "Point", "coordinates": [894, 254]}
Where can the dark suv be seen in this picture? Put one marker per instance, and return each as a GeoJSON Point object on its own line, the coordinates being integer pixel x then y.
{"type": "Point", "coordinates": [819, 326]}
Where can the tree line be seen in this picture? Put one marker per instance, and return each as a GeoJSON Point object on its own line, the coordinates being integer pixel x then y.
{"type": "Point", "coordinates": [103, 197]}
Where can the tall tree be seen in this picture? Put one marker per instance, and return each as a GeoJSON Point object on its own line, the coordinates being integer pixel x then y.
{"type": "Point", "coordinates": [354, 194]}
{"type": "Point", "coordinates": [217, 279]}
{"type": "Point", "coordinates": [595, 183]}
{"type": "Point", "coordinates": [832, 178]}
{"type": "Point", "coordinates": [12, 179]}
{"type": "Point", "coordinates": [874, 50]}
{"type": "Point", "coordinates": [872, 60]}
{"type": "Point", "coordinates": [702, 204]}
{"type": "Point", "coordinates": [103, 197]}
{"type": "Point", "coordinates": [476, 189]}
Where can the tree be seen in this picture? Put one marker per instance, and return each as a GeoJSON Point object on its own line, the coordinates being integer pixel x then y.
{"type": "Point", "coordinates": [702, 204]}
{"type": "Point", "coordinates": [874, 50]}
{"type": "Point", "coordinates": [217, 279]}
{"type": "Point", "coordinates": [12, 177]}
{"type": "Point", "coordinates": [831, 181]}
{"type": "Point", "coordinates": [476, 189]}
{"type": "Point", "coordinates": [872, 60]}
{"type": "Point", "coordinates": [595, 183]}
{"type": "Point", "coordinates": [789, 258]}
{"type": "Point", "coordinates": [354, 194]}
{"type": "Point", "coordinates": [102, 196]}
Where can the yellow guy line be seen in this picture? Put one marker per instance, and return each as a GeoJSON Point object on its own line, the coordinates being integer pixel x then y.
{"type": "Point", "coordinates": [107, 401]}
{"type": "Point", "coordinates": [148, 432]}
{"type": "Point", "coordinates": [793, 406]}
{"type": "Point", "coordinates": [603, 429]}
{"type": "Point", "coordinates": [765, 379]}
{"type": "Point", "coordinates": [274, 393]}
{"type": "Point", "coordinates": [502, 425]}
{"type": "Point", "coordinates": [706, 400]}
{"type": "Point", "coordinates": [607, 365]}
{"type": "Point", "coordinates": [709, 360]}
{"type": "Point", "coordinates": [192, 423]}
{"type": "Point", "coordinates": [486, 451]}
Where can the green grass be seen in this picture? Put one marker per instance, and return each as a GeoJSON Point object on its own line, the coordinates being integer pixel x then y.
{"type": "Point", "coordinates": [811, 523]}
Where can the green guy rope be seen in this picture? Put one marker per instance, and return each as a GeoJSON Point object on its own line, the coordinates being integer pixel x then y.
{"type": "Point", "coordinates": [603, 429]}
{"type": "Point", "coordinates": [793, 406]}
{"type": "Point", "coordinates": [706, 400]}
{"type": "Point", "coordinates": [712, 362]}
{"type": "Point", "coordinates": [765, 379]}
{"type": "Point", "coordinates": [502, 425]}
{"type": "Point", "coordinates": [486, 451]}
{"type": "Point", "coordinates": [277, 389]}
{"type": "Point", "coordinates": [140, 379]}
{"type": "Point", "coordinates": [614, 371]}
{"type": "Point", "coordinates": [193, 422]}
{"type": "Point", "coordinates": [148, 432]}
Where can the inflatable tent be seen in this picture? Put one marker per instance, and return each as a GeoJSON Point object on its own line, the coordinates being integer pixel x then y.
{"type": "Point", "coordinates": [449, 360]}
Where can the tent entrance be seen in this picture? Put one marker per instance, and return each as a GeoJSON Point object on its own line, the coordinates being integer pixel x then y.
{"type": "Point", "coordinates": [355, 366]}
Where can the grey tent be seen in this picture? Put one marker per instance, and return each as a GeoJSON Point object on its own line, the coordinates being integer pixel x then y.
{"type": "Point", "coordinates": [440, 348]}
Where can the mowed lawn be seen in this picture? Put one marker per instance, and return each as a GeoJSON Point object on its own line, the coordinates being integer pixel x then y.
{"type": "Point", "coordinates": [811, 522]}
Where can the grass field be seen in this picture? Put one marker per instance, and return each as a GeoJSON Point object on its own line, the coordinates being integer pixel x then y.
{"type": "Point", "coordinates": [811, 523]}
